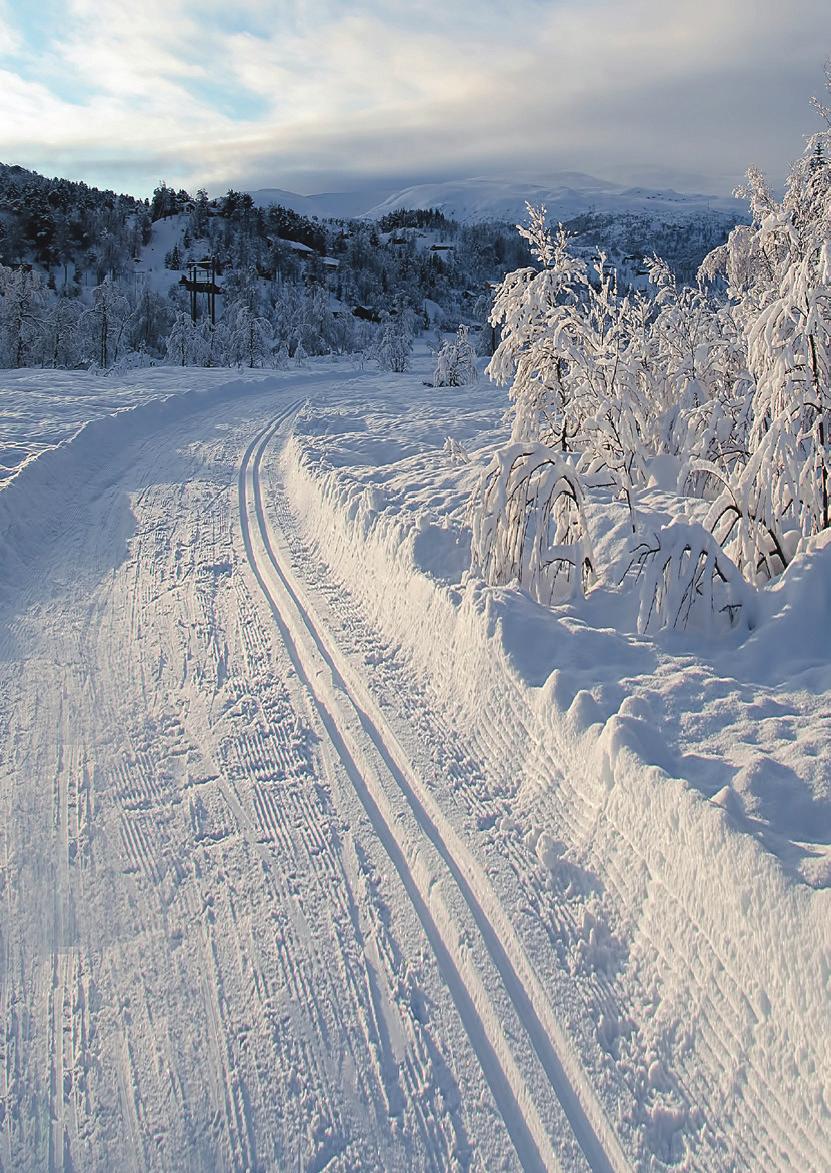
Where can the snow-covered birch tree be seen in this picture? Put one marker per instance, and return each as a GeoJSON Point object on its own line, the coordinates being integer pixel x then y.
{"type": "Point", "coordinates": [21, 317]}
{"type": "Point", "coordinates": [456, 361]}
{"type": "Point", "coordinates": [779, 275]}
{"type": "Point", "coordinates": [186, 343]}
{"type": "Point", "coordinates": [103, 322]}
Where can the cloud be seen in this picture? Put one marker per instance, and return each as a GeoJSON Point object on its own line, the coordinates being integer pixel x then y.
{"type": "Point", "coordinates": [323, 93]}
{"type": "Point", "coordinates": [9, 39]}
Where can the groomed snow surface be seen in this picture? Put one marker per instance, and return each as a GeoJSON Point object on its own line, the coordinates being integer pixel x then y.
{"type": "Point", "coordinates": [318, 853]}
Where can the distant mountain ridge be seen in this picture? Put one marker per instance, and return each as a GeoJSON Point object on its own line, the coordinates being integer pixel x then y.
{"type": "Point", "coordinates": [482, 198]}
{"type": "Point", "coordinates": [334, 205]}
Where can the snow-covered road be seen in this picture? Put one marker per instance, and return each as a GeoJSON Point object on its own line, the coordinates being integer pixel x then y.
{"type": "Point", "coordinates": [265, 903]}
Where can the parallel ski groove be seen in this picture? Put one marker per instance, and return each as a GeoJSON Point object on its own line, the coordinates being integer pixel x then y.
{"type": "Point", "coordinates": [300, 631]}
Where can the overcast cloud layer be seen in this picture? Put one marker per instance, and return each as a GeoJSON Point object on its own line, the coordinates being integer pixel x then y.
{"type": "Point", "coordinates": [326, 95]}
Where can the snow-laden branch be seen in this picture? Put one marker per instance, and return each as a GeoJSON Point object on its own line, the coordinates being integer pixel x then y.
{"type": "Point", "coordinates": [529, 524]}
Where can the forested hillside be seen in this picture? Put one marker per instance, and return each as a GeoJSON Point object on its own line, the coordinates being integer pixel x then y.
{"type": "Point", "coordinates": [92, 278]}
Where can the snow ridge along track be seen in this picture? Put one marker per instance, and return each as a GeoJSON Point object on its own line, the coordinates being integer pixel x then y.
{"type": "Point", "coordinates": [431, 859]}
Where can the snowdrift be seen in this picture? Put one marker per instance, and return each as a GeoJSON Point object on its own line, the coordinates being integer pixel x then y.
{"type": "Point", "coordinates": [40, 496]}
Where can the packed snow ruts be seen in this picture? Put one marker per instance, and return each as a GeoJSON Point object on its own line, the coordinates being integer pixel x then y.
{"type": "Point", "coordinates": [244, 987]}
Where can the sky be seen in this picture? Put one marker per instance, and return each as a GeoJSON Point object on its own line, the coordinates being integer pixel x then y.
{"type": "Point", "coordinates": [329, 95]}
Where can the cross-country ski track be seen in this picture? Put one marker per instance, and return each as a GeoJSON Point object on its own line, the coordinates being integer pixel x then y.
{"type": "Point", "coordinates": [273, 898]}
{"type": "Point", "coordinates": [428, 854]}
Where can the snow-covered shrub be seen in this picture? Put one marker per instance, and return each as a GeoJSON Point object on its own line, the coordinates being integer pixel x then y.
{"type": "Point", "coordinates": [736, 394]}
{"type": "Point", "coordinates": [456, 361]}
{"type": "Point", "coordinates": [455, 451]}
{"type": "Point", "coordinates": [574, 349]}
{"type": "Point", "coordinates": [749, 524]}
{"type": "Point", "coordinates": [529, 525]}
{"type": "Point", "coordinates": [688, 582]}
{"type": "Point", "coordinates": [620, 379]}
{"type": "Point", "coordinates": [132, 360]}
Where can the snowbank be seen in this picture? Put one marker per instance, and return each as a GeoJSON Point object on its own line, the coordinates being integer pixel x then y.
{"type": "Point", "coordinates": [39, 408]}
{"type": "Point", "coordinates": [710, 958]}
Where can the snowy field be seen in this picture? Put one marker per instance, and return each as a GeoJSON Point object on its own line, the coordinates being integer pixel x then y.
{"type": "Point", "coordinates": [318, 853]}
{"type": "Point", "coordinates": [39, 410]}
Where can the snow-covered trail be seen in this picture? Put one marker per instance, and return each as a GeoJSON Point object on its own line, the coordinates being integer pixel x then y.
{"type": "Point", "coordinates": [466, 918]}
{"type": "Point", "coordinates": [202, 964]}
{"type": "Point", "coordinates": [296, 873]}
{"type": "Point", "coordinates": [237, 932]}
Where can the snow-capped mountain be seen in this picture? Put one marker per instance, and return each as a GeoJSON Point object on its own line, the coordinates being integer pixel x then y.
{"type": "Point", "coordinates": [327, 204]}
{"type": "Point", "coordinates": [565, 195]}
